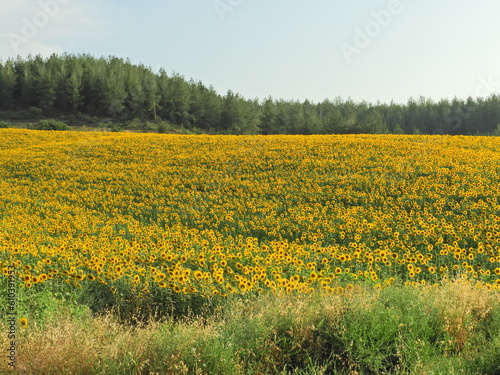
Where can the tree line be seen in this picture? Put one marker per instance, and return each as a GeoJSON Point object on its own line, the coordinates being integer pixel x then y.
{"type": "Point", "coordinates": [115, 88]}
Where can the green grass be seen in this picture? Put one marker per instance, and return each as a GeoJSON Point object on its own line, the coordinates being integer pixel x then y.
{"type": "Point", "coordinates": [449, 329]}
{"type": "Point", "coordinates": [34, 119]}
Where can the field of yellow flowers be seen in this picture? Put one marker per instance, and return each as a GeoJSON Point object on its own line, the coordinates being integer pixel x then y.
{"type": "Point", "coordinates": [220, 215]}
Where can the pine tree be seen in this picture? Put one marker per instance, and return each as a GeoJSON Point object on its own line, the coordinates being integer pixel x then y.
{"type": "Point", "coordinates": [114, 93]}
{"type": "Point", "coordinates": [151, 95]}
{"type": "Point", "coordinates": [496, 132]}
{"type": "Point", "coordinates": [267, 116]}
{"type": "Point", "coordinates": [373, 123]}
{"type": "Point", "coordinates": [74, 85]}
{"type": "Point", "coordinates": [7, 84]}
{"type": "Point", "coordinates": [26, 91]}
{"type": "Point", "coordinates": [398, 129]}
{"type": "Point", "coordinates": [175, 97]}
{"type": "Point", "coordinates": [231, 114]}
{"type": "Point", "coordinates": [45, 83]}
{"type": "Point", "coordinates": [250, 123]}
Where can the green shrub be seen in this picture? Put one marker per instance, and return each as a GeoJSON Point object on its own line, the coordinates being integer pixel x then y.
{"type": "Point", "coordinates": [3, 125]}
{"type": "Point", "coordinates": [496, 132]}
{"type": "Point", "coordinates": [35, 112]}
{"type": "Point", "coordinates": [148, 125]}
{"type": "Point", "coordinates": [397, 330]}
{"type": "Point", "coordinates": [116, 127]}
{"type": "Point", "coordinates": [164, 126]}
{"type": "Point", "coordinates": [52, 125]}
{"type": "Point", "coordinates": [135, 124]}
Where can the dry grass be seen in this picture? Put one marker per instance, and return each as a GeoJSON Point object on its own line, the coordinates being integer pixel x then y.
{"type": "Point", "coordinates": [68, 346]}
{"type": "Point", "coordinates": [463, 308]}
{"type": "Point", "coordinates": [272, 333]}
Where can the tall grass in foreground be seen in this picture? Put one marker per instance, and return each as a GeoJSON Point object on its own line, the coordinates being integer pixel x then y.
{"type": "Point", "coordinates": [449, 329]}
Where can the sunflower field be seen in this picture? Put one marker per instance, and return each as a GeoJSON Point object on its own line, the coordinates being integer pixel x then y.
{"type": "Point", "coordinates": [221, 215]}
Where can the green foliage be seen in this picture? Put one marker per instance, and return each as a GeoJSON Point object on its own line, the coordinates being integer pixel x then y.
{"type": "Point", "coordinates": [42, 303]}
{"type": "Point", "coordinates": [103, 125]}
{"type": "Point", "coordinates": [398, 129]}
{"type": "Point", "coordinates": [149, 125]}
{"type": "Point", "coordinates": [135, 123]}
{"type": "Point", "coordinates": [133, 306]}
{"type": "Point", "coordinates": [496, 132]}
{"type": "Point", "coordinates": [3, 125]}
{"type": "Point", "coordinates": [486, 361]}
{"type": "Point", "coordinates": [115, 127]}
{"type": "Point", "coordinates": [52, 125]}
{"type": "Point", "coordinates": [164, 126]}
{"type": "Point", "coordinates": [396, 330]}
{"type": "Point", "coordinates": [8, 83]}
{"type": "Point", "coordinates": [35, 112]}
{"type": "Point", "coordinates": [117, 89]}
{"type": "Point", "coordinates": [373, 123]}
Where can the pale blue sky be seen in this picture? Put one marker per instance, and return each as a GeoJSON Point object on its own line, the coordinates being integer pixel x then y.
{"type": "Point", "coordinates": [284, 48]}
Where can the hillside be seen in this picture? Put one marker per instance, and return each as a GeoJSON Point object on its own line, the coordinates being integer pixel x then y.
{"type": "Point", "coordinates": [112, 93]}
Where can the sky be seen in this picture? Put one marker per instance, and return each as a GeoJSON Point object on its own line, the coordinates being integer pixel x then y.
{"type": "Point", "coordinates": [364, 50]}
